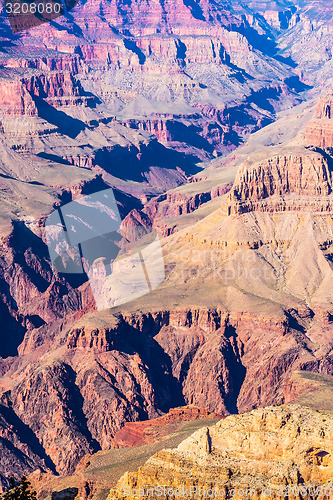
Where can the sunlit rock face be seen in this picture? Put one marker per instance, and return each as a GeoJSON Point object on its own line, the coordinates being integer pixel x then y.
{"type": "Point", "coordinates": [157, 101]}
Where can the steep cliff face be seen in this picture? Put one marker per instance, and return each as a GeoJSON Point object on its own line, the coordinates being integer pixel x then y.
{"type": "Point", "coordinates": [319, 132]}
{"type": "Point", "coordinates": [32, 295]}
{"type": "Point", "coordinates": [20, 450]}
{"type": "Point", "coordinates": [313, 390]}
{"type": "Point", "coordinates": [75, 387]}
{"type": "Point", "coordinates": [262, 453]}
{"type": "Point", "coordinates": [301, 180]}
{"type": "Point", "coordinates": [157, 212]}
{"type": "Point", "coordinates": [15, 99]}
{"type": "Point", "coordinates": [151, 431]}
{"type": "Point", "coordinates": [19, 90]}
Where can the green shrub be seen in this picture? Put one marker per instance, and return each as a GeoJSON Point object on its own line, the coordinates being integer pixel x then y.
{"type": "Point", "coordinates": [19, 491]}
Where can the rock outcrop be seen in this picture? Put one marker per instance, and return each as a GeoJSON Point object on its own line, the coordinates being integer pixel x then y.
{"type": "Point", "coordinates": [319, 132]}
{"type": "Point", "coordinates": [265, 453]}
{"type": "Point", "coordinates": [151, 431]}
{"type": "Point", "coordinates": [136, 97]}
{"type": "Point", "coordinates": [297, 181]}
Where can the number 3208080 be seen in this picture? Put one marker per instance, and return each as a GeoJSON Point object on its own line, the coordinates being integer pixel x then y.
{"type": "Point", "coordinates": [33, 8]}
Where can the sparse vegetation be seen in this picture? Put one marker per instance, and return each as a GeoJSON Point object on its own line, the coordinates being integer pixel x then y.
{"type": "Point", "coordinates": [19, 490]}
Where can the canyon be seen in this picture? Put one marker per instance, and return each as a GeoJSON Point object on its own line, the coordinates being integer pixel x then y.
{"type": "Point", "coordinates": [213, 125]}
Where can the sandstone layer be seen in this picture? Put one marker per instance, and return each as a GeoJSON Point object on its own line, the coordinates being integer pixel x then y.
{"type": "Point", "coordinates": [96, 474]}
{"type": "Point", "coordinates": [267, 452]}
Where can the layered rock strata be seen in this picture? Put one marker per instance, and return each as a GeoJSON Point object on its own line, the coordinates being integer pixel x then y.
{"type": "Point", "coordinates": [267, 452]}
{"type": "Point", "coordinates": [319, 132]}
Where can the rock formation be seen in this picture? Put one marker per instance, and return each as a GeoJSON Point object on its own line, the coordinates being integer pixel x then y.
{"type": "Point", "coordinates": [319, 132]}
{"type": "Point", "coordinates": [264, 453]}
{"type": "Point", "coordinates": [150, 431]}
